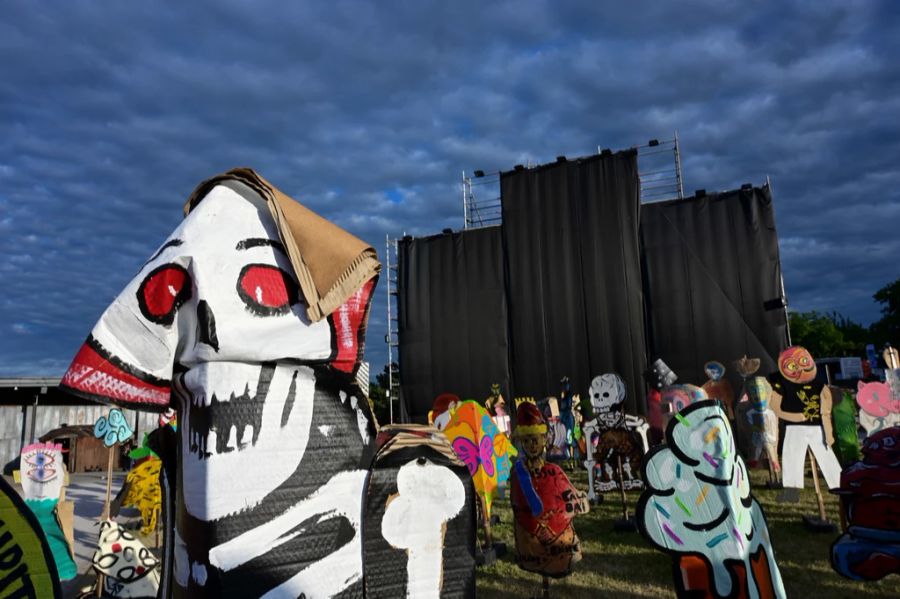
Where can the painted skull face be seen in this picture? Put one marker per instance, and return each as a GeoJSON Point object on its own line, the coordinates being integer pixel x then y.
{"type": "Point", "coordinates": [42, 471]}
{"type": "Point", "coordinates": [796, 364]}
{"type": "Point", "coordinates": [714, 370]}
{"type": "Point", "coordinates": [759, 391]}
{"type": "Point", "coordinates": [607, 392]}
{"type": "Point", "coordinates": [218, 299]}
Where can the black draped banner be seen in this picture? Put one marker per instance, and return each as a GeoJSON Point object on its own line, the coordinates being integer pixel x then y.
{"type": "Point", "coordinates": [571, 245]}
{"type": "Point", "coordinates": [452, 318]}
{"type": "Point", "coordinates": [714, 281]}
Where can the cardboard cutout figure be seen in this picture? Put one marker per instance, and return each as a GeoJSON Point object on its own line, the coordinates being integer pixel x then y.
{"type": "Point", "coordinates": [675, 398]}
{"type": "Point", "coordinates": [844, 418]}
{"type": "Point", "coordinates": [420, 520]}
{"type": "Point", "coordinates": [805, 406]}
{"type": "Point", "coordinates": [43, 476]}
{"type": "Point", "coordinates": [144, 492]}
{"type": "Point", "coordinates": [544, 503]}
{"type": "Point", "coordinates": [698, 508]}
{"type": "Point", "coordinates": [557, 436]}
{"type": "Point", "coordinates": [743, 433]}
{"type": "Point", "coordinates": [870, 489]}
{"type": "Point", "coordinates": [568, 418]}
{"type": "Point", "coordinates": [658, 377]}
{"type": "Point", "coordinates": [27, 567]}
{"type": "Point", "coordinates": [442, 410]}
{"type": "Point", "coordinates": [481, 447]}
{"type": "Point", "coordinates": [496, 407]}
{"type": "Point", "coordinates": [879, 409]}
{"type": "Point", "coordinates": [250, 321]}
{"type": "Point", "coordinates": [718, 387]}
{"type": "Point", "coordinates": [613, 436]}
{"type": "Point", "coordinates": [763, 423]}
{"type": "Point", "coordinates": [129, 569]}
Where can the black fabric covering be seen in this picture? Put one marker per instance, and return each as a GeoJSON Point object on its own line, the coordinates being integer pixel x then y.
{"type": "Point", "coordinates": [711, 264]}
{"type": "Point", "coordinates": [452, 318]}
{"type": "Point", "coordinates": [571, 241]}
{"type": "Point", "coordinates": [386, 566]}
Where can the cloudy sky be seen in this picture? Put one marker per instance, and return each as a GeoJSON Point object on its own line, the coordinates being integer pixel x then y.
{"type": "Point", "coordinates": [111, 112]}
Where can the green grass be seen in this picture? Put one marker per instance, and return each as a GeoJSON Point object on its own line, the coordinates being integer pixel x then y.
{"type": "Point", "coordinates": [624, 565]}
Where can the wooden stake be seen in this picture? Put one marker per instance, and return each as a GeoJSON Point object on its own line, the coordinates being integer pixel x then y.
{"type": "Point", "coordinates": [109, 468]}
{"type": "Point", "coordinates": [815, 475]}
{"type": "Point", "coordinates": [546, 588]}
{"type": "Point", "coordinates": [622, 488]}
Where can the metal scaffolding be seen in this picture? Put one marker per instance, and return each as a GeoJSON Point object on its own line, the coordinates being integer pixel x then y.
{"type": "Point", "coordinates": [392, 337]}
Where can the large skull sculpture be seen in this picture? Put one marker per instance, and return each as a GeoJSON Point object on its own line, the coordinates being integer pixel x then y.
{"type": "Point", "coordinates": [216, 315]}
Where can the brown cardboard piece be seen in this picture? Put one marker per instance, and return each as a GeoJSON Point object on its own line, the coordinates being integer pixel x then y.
{"type": "Point", "coordinates": [330, 263]}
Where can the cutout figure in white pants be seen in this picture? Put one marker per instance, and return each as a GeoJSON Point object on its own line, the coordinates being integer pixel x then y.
{"type": "Point", "coordinates": [805, 405]}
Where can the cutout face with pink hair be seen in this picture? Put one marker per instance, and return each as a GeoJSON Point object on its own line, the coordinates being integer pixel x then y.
{"type": "Point", "coordinates": [878, 407]}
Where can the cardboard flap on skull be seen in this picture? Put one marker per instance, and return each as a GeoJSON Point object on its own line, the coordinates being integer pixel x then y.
{"type": "Point", "coordinates": [330, 263]}
{"type": "Point", "coordinates": [420, 518]}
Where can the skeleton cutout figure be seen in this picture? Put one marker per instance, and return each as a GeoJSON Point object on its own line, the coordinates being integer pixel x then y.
{"type": "Point", "coordinates": [612, 436]}
{"type": "Point", "coordinates": [249, 320]}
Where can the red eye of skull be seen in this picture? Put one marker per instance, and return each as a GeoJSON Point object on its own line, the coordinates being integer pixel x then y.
{"type": "Point", "coordinates": [266, 290]}
{"type": "Point", "coordinates": [162, 292]}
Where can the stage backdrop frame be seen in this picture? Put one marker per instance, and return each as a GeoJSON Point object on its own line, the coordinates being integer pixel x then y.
{"type": "Point", "coordinates": [714, 281]}
{"type": "Point", "coordinates": [451, 318]}
{"type": "Point", "coordinates": [573, 311]}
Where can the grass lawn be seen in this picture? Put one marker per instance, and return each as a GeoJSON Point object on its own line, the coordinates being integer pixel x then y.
{"type": "Point", "coordinates": [623, 565]}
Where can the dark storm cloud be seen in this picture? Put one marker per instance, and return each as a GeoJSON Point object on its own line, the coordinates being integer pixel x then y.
{"type": "Point", "coordinates": [110, 113]}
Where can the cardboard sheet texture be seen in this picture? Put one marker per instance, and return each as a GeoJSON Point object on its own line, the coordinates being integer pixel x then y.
{"type": "Point", "coordinates": [420, 519]}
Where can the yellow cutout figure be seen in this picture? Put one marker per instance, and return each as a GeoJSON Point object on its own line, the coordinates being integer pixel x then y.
{"type": "Point", "coordinates": [144, 492]}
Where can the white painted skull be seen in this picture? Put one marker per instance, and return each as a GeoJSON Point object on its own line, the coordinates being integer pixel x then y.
{"type": "Point", "coordinates": [607, 393]}
{"type": "Point", "coordinates": [220, 300]}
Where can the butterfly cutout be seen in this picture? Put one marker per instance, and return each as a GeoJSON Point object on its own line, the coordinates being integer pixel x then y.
{"type": "Point", "coordinates": [472, 454]}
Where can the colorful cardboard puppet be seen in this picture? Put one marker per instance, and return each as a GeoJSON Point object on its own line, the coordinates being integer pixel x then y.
{"type": "Point", "coordinates": [718, 387]}
{"type": "Point", "coordinates": [746, 368]}
{"type": "Point", "coordinates": [805, 406]}
{"type": "Point", "coordinates": [43, 476]}
{"type": "Point", "coordinates": [879, 409]}
{"type": "Point", "coordinates": [658, 377]}
{"type": "Point", "coordinates": [250, 319]}
{"type": "Point", "coordinates": [484, 450]}
{"type": "Point", "coordinates": [567, 416]}
{"type": "Point", "coordinates": [675, 398]}
{"type": "Point", "coordinates": [27, 567]}
{"type": "Point", "coordinates": [870, 491]}
{"type": "Point", "coordinates": [763, 425]}
{"type": "Point", "coordinates": [421, 504]}
{"type": "Point", "coordinates": [844, 418]}
{"type": "Point", "coordinates": [698, 508]}
{"type": "Point", "coordinates": [613, 437]}
{"type": "Point", "coordinates": [496, 407]}
{"type": "Point", "coordinates": [544, 503]}
{"type": "Point", "coordinates": [128, 568]}
{"type": "Point", "coordinates": [442, 409]}
{"type": "Point", "coordinates": [557, 436]}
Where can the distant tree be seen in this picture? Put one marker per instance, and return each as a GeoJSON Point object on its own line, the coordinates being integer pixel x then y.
{"type": "Point", "coordinates": [378, 397]}
{"type": "Point", "coordinates": [821, 334]}
{"type": "Point", "coordinates": [887, 330]}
